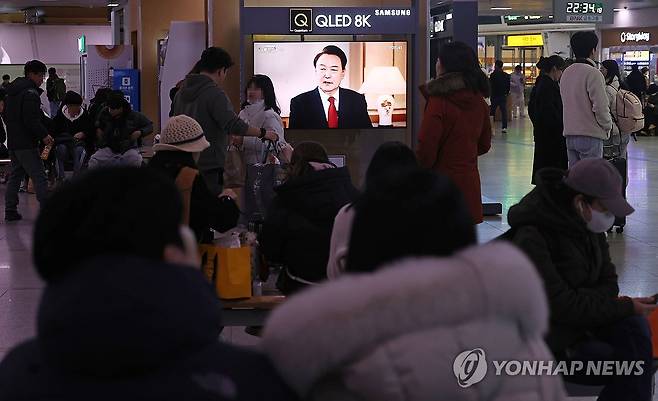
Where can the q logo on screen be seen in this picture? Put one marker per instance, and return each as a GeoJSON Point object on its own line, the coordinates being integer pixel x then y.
{"type": "Point", "coordinates": [470, 367]}
{"type": "Point", "coordinates": [301, 20]}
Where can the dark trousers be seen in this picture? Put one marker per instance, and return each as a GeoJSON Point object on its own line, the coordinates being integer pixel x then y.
{"type": "Point", "coordinates": [626, 340]}
{"type": "Point", "coordinates": [496, 102]}
{"type": "Point", "coordinates": [24, 162]}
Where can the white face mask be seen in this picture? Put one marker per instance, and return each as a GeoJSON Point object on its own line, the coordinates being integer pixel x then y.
{"type": "Point", "coordinates": [601, 221]}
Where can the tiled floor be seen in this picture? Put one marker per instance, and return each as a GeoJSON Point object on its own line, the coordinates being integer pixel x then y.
{"type": "Point", "coordinates": [505, 175]}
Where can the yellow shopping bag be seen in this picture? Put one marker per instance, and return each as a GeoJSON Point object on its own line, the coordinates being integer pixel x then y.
{"type": "Point", "coordinates": [233, 274]}
{"type": "Point", "coordinates": [209, 261]}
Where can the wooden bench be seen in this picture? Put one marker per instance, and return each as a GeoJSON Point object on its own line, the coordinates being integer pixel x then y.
{"type": "Point", "coordinates": [250, 311]}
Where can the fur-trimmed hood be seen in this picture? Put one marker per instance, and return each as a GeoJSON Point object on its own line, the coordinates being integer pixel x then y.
{"type": "Point", "coordinates": [452, 87]}
{"type": "Point", "coordinates": [393, 335]}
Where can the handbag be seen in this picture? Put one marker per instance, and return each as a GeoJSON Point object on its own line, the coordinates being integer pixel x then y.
{"type": "Point", "coordinates": [260, 181]}
{"type": "Point", "coordinates": [234, 170]}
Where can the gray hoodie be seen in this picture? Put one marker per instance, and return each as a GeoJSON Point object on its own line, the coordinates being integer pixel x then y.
{"type": "Point", "coordinates": [201, 99]}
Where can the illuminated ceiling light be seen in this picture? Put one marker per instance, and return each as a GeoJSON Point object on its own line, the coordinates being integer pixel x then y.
{"type": "Point", "coordinates": [501, 8]}
{"type": "Point", "coordinates": [113, 4]}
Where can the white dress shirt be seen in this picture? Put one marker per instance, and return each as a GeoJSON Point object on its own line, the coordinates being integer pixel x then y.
{"type": "Point", "coordinates": [326, 104]}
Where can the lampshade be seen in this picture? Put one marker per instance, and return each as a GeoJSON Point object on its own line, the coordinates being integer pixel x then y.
{"type": "Point", "coordinates": [384, 81]}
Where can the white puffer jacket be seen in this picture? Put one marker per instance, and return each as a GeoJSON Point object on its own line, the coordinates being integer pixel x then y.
{"type": "Point", "coordinates": [394, 335]}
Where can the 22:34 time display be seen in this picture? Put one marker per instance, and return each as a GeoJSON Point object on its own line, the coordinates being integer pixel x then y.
{"type": "Point", "coordinates": [584, 8]}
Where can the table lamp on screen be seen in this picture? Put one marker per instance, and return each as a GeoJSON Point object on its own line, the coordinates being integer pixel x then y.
{"type": "Point", "coordinates": [385, 82]}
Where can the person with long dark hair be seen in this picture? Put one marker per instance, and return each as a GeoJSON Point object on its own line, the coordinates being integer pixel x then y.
{"type": "Point", "coordinates": [389, 157]}
{"type": "Point", "coordinates": [613, 83]}
{"type": "Point", "coordinates": [545, 111]}
{"type": "Point", "coordinates": [299, 221]}
{"type": "Point", "coordinates": [456, 128]}
{"type": "Point", "coordinates": [260, 109]}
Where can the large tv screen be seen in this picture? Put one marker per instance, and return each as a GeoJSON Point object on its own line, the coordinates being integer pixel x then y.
{"type": "Point", "coordinates": [344, 85]}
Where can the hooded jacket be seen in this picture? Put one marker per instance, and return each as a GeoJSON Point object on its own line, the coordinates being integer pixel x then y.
{"type": "Point", "coordinates": [26, 123]}
{"type": "Point", "coordinates": [454, 132]}
{"type": "Point", "coordinates": [116, 132]}
{"type": "Point", "coordinates": [394, 335]}
{"type": "Point", "coordinates": [130, 328]}
{"type": "Point", "coordinates": [201, 99]}
{"type": "Point", "coordinates": [574, 263]}
{"type": "Point", "coordinates": [66, 126]}
{"type": "Point", "coordinates": [297, 229]}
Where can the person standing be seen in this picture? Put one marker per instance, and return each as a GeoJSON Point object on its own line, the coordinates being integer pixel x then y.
{"type": "Point", "coordinates": [517, 89]}
{"type": "Point", "coordinates": [259, 110]}
{"type": "Point", "coordinates": [55, 90]}
{"type": "Point", "coordinates": [545, 111]}
{"type": "Point", "coordinates": [6, 80]}
{"type": "Point", "coordinates": [500, 89]}
{"type": "Point", "coordinates": [202, 98]}
{"type": "Point", "coordinates": [585, 105]}
{"type": "Point", "coordinates": [610, 70]}
{"type": "Point", "coordinates": [636, 82]}
{"type": "Point", "coordinates": [456, 127]}
{"type": "Point", "coordinates": [25, 128]}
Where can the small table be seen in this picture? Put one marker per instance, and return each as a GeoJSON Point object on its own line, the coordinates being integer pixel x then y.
{"type": "Point", "coordinates": [250, 311]}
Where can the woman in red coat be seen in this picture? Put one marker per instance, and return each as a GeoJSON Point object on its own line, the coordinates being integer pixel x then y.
{"type": "Point", "coordinates": [456, 127]}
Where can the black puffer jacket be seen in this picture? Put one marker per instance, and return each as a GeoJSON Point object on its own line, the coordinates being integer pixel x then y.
{"type": "Point", "coordinates": [297, 230]}
{"type": "Point", "coordinates": [116, 131]}
{"type": "Point", "coordinates": [65, 127]}
{"type": "Point", "coordinates": [575, 265]}
{"type": "Point", "coordinates": [26, 123]}
{"type": "Point", "coordinates": [123, 328]}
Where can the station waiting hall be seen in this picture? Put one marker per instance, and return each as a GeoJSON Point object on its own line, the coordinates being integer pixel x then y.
{"type": "Point", "coordinates": [374, 200]}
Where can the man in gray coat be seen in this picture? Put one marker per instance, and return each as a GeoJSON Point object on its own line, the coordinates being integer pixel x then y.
{"type": "Point", "coordinates": [202, 98]}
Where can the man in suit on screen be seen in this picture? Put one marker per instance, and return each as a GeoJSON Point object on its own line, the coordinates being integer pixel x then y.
{"type": "Point", "coordinates": [329, 105]}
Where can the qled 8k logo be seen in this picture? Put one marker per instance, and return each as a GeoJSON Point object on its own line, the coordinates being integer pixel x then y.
{"type": "Point", "coordinates": [470, 367]}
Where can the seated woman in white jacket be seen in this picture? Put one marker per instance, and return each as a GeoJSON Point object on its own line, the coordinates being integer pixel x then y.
{"type": "Point", "coordinates": [390, 156]}
{"type": "Point", "coordinates": [260, 110]}
{"type": "Point", "coordinates": [420, 325]}
{"type": "Point", "coordinates": [610, 70]}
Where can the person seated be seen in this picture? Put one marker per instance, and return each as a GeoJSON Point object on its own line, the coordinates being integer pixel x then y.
{"type": "Point", "coordinates": [177, 154]}
{"type": "Point", "coordinates": [561, 225]}
{"type": "Point", "coordinates": [127, 310]}
{"type": "Point", "coordinates": [119, 130]}
{"type": "Point", "coordinates": [297, 229]}
{"type": "Point", "coordinates": [425, 297]}
{"type": "Point", "coordinates": [389, 156]}
{"type": "Point", "coordinates": [73, 131]}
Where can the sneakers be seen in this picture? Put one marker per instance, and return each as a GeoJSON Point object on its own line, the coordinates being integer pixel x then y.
{"type": "Point", "coordinates": [12, 215]}
{"type": "Point", "coordinates": [504, 131]}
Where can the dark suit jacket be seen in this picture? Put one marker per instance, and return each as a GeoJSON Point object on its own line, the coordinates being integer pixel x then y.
{"type": "Point", "coordinates": [307, 111]}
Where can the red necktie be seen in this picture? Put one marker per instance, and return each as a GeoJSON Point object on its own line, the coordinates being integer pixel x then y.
{"type": "Point", "coordinates": [332, 119]}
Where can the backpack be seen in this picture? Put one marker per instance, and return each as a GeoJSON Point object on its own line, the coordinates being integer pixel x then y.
{"type": "Point", "coordinates": [628, 113]}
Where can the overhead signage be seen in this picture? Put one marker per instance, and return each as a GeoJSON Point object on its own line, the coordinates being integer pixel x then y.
{"type": "Point", "coordinates": [528, 19]}
{"type": "Point", "coordinates": [640, 36]}
{"type": "Point", "coordinates": [328, 20]}
{"type": "Point", "coordinates": [593, 12]}
{"type": "Point", "coordinates": [82, 44]}
{"type": "Point", "coordinates": [634, 37]}
{"type": "Point", "coordinates": [525, 40]}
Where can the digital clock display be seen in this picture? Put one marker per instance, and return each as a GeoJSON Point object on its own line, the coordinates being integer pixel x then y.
{"type": "Point", "coordinates": [584, 8]}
